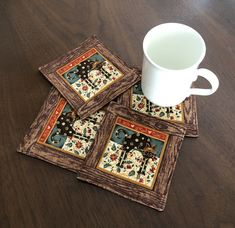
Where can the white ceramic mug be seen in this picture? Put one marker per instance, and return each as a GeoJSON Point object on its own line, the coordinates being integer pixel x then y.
{"type": "Point", "coordinates": [172, 54]}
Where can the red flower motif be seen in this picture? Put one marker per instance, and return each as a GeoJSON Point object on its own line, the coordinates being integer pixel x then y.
{"type": "Point", "coordinates": [78, 145]}
{"type": "Point", "coordinates": [141, 180]}
{"type": "Point", "coordinates": [128, 166]}
{"type": "Point", "coordinates": [111, 68]}
{"type": "Point", "coordinates": [85, 87]}
{"type": "Point", "coordinates": [177, 107]}
{"type": "Point", "coordinates": [113, 157]}
{"type": "Point", "coordinates": [140, 105]}
{"type": "Point", "coordinates": [89, 130]}
{"type": "Point", "coordinates": [152, 169]}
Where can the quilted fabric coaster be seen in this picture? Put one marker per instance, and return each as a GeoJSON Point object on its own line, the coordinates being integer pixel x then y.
{"type": "Point", "coordinates": [89, 76]}
{"type": "Point", "coordinates": [184, 113]}
{"type": "Point", "coordinates": [134, 156]}
{"type": "Point", "coordinates": [59, 136]}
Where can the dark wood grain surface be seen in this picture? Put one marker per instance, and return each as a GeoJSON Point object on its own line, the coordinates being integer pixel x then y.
{"type": "Point", "coordinates": [34, 193]}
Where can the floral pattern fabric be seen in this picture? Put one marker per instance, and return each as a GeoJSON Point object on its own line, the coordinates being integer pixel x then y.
{"type": "Point", "coordinates": [91, 75]}
{"type": "Point", "coordinates": [68, 133]}
{"type": "Point", "coordinates": [86, 128]}
{"type": "Point", "coordinates": [133, 162]}
{"type": "Point", "coordinates": [140, 104]}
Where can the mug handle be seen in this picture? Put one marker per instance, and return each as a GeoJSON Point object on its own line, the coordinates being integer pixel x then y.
{"type": "Point", "coordinates": [211, 78]}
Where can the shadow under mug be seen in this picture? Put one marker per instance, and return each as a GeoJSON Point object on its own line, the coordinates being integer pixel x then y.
{"type": "Point", "coordinates": [172, 54]}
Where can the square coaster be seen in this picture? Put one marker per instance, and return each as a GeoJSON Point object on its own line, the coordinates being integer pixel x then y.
{"type": "Point", "coordinates": [89, 76]}
{"type": "Point", "coordinates": [134, 156]}
{"type": "Point", "coordinates": [59, 136]}
{"type": "Point", "coordinates": [184, 113]}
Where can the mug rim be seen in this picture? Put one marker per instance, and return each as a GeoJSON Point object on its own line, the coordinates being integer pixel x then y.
{"type": "Point", "coordinates": [174, 24]}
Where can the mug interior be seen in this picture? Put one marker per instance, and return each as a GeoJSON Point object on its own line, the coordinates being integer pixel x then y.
{"type": "Point", "coordinates": [174, 46]}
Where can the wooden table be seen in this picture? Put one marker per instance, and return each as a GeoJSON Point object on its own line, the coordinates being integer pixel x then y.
{"type": "Point", "coordinates": [34, 193]}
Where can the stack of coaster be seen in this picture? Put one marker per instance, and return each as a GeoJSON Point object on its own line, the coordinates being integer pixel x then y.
{"type": "Point", "coordinates": [129, 147]}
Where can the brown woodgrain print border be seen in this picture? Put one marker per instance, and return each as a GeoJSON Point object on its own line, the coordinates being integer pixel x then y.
{"type": "Point", "coordinates": [85, 108]}
{"type": "Point", "coordinates": [155, 198]}
{"type": "Point", "coordinates": [189, 112]}
{"type": "Point", "coordinates": [30, 145]}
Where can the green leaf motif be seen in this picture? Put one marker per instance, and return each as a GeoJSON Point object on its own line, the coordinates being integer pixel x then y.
{"type": "Point", "coordinates": [131, 173]}
{"type": "Point", "coordinates": [76, 152]}
{"type": "Point", "coordinates": [118, 169]}
{"type": "Point", "coordinates": [106, 165]}
{"type": "Point", "coordinates": [162, 114]}
{"type": "Point", "coordinates": [105, 155]}
{"type": "Point", "coordinates": [138, 98]}
{"type": "Point", "coordinates": [69, 144]}
{"type": "Point", "coordinates": [128, 162]}
{"type": "Point", "coordinates": [84, 131]}
{"type": "Point", "coordinates": [114, 147]}
{"type": "Point", "coordinates": [95, 128]}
